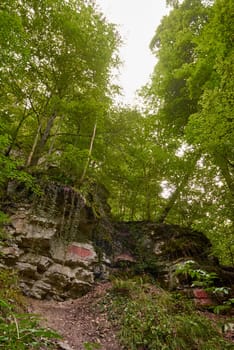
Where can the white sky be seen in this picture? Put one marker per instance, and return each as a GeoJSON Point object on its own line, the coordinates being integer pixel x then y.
{"type": "Point", "coordinates": [137, 21]}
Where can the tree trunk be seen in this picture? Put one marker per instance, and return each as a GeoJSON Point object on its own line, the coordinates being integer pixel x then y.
{"type": "Point", "coordinates": [223, 166]}
{"type": "Point", "coordinates": [34, 146]}
{"type": "Point", "coordinates": [175, 195]}
{"type": "Point", "coordinates": [148, 201]}
{"type": "Point", "coordinates": [89, 154]}
{"type": "Point", "coordinates": [14, 136]}
{"type": "Point", "coordinates": [173, 199]}
{"type": "Point", "coordinates": [40, 145]}
{"type": "Point", "coordinates": [55, 136]}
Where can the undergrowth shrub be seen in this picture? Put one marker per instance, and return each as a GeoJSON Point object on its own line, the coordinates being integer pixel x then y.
{"type": "Point", "coordinates": [150, 318]}
{"type": "Point", "coordinates": [18, 329]}
{"type": "Point", "coordinates": [207, 280]}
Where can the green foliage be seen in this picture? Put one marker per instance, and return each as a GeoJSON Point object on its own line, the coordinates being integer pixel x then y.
{"type": "Point", "coordinates": [227, 306]}
{"type": "Point", "coordinates": [18, 330]}
{"type": "Point", "coordinates": [174, 43]}
{"type": "Point", "coordinates": [201, 278]}
{"type": "Point", "coordinates": [151, 318]}
{"type": "Point", "coordinates": [91, 346]}
{"type": "Point", "coordinates": [208, 281]}
{"type": "Point", "coordinates": [190, 96]}
{"type": "Point", "coordinates": [3, 220]}
{"type": "Point", "coordinates": [9, 289]}
{"type": "Point", "coordinates": [169, 161]}
{"type": "Point", "coordinates": [135, 161]}
{"type": "Point", "coordinates": [124, 287]}
{"type": "Point", "coordinates": [55, 80]}
{"type": "Point", "coordinates": [11, 167]}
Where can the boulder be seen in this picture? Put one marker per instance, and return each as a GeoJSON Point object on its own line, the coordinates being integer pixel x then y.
{"type": "Point", "coordinates": [73, 254]}
{"type": "Point", "coordinates": [10, 254]}
{"type": "Point", "coordinates": [101, 272]}
{"type": "Point", "coordinates": [27, 270]}
{"type": "Point", "coordinates": [38, 237]}
{"type": "Point", "coordinates": [40, 289]}
{"type": "Point", "coordinates": [78, 288]}
{"type": "Point", "coordinates": [84, 275]}
{"type": "Point", "coordinates": [124, 259]}
{"type": "Point", "coordinates": [202, 298]}
{"type": "Point", "coordinates": [59, 276]}
{"type": "Point", "coordinates": [42, 262]}
{"type": "Point", "coordinates": [80, 253]}
{"type": "Point", "coordinates": [67, 282]}
{"type": "Point", "coordinates": [19, 219]}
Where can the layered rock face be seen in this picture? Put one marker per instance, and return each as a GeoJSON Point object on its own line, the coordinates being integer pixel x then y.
{"type": "Point", "coordinates": [50, 244]}
{"type": "Point", "coordinates": [61, 245]}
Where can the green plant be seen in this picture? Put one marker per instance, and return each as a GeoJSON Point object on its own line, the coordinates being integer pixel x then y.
{"type": "Point", "coordinates": [225, 307]}
{"type": "Point", "coordinates": [151, 318]}
{"type": "Point", "coordinates": [123, 287]}
{"type": "Point", "coordinates": [20, 331]}
{"type": "Point", "coordinates": [9, 288]}
{"type": "Point", "coordinates": [201, 278]}
{"type": "Point", "coordinates": [3, 219]}
{"type": "Point", "coordinates": [91, 346]}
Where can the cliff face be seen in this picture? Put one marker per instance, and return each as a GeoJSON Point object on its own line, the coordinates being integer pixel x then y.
{"type": "Point", "coordinates": [61, 244]}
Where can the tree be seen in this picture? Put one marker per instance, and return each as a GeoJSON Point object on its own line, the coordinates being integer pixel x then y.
{"type": "Point", "coordinates": [211, 128]}
{"type": "Point", "coordinates": [9, 168]}
{"type": "Point", "coordinates": [174, 43]}
{"type": "Point", "coordinates": [135, 165]}
{"type": "Point", "coordinates": [59, 59]}
{"type": "Point", "coordinates": [191, 95]}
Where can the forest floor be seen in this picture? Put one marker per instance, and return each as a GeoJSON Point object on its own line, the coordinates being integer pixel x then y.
{"type": "Point", "coordinates": [83, 324]}
{"type": "Point", "coordinates": [79, 321]}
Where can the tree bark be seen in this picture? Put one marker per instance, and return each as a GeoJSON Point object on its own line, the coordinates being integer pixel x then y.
{"type": "Point", "coordinates": [173, 199]}
{"type": "Point", "coordinates": [55, 136]}
{"type": "Point", "coordinates": [89, 154]}
{"type": "Point", "coordinates": [175, 195]}
{"type": "Point", "coordinates": [223, 166]}
{"type": "Point", "coordinates": [14, 136]}
{"type": "Point", "coordinates": [40, 145]}
{"type": "Point", "coordinates": [34, 146]}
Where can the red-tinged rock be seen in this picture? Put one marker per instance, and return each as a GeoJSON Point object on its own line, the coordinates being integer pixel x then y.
{"type": "Point", "coordinates": [80, 251]}
{"type": "Point", "coordinates": [202, 298]}
{"type": "Point", "coordinates": [124, 257]}
{"type": "Point", "coordinates": [200, 293]}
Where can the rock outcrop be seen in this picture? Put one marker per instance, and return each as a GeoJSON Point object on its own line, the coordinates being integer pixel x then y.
{"type": "Point", "coordinates": [61, 245]}
{"type": "Point", "coordinates": [41, 247]}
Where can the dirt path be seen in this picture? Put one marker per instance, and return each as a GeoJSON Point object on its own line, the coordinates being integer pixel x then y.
{"type": "Point", "coordinates": [79, 321]}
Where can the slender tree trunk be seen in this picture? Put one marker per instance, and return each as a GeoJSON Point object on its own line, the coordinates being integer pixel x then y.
{"type": "Point", "coordinates": [14, 136]}
{"type": "Point", "coordinates": [223, 166]}
{"type": "Point", "coordinates": [133, 205]}
{"type": "Point", "coordinates": [173, 199]}
{"type": "Point", "coordinates": [175, 195]}
{"type": "Point", "coordinates": [122, 200]}
{"type": "Point", "coordinates": [40, 145]}
{"type": "Point", "coordinates": [34, 146]}
{"type": "Point", "coordinates": [55, 135]}
{"type": "Point", "coordinates": [148, 210]}
{"type": "Point", "coordinates": [148, 200]}
{"type": "Point", "coordinates": [89, 154]}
